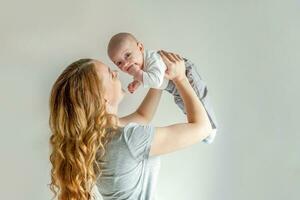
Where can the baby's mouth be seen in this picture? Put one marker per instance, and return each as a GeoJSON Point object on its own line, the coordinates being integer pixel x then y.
{"type": "Point", "coordinates": [127, 70]}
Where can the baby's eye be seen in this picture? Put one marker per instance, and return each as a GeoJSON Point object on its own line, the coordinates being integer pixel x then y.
{"type": "Point", "coordinates": [127, 55]}
{"type": "Point", "coordinates": [118, 63]}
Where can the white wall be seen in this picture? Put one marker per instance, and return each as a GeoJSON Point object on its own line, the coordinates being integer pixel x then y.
{"type": "Point", "coordinates": [247, 51]}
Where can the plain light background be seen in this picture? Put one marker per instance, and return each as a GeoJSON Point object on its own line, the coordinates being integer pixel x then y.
{"type": "Point", "coordinates": [248, 52]}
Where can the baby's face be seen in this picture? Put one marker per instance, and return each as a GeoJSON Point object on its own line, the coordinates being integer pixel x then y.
{"type": "Point", "coordinates": [128, 54]}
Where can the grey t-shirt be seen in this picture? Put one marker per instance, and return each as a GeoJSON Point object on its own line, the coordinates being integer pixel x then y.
{"type": "Point", "coordinates": [127, 170]}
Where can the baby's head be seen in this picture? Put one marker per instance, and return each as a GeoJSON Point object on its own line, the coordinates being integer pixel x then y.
{"type": "Point", "coordinates": [125, 51]}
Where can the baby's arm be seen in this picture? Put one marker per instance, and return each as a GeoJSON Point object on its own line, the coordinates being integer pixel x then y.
{"type": "Point", "coordinates": [136, 73]}
{"type": "Point", "coordinates": [137, 79]}
{"type": "Point", "coordinates": [154, 74]}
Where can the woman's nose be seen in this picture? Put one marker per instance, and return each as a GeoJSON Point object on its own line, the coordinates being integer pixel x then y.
{"type": "Point", "coordinates": [116, 73]}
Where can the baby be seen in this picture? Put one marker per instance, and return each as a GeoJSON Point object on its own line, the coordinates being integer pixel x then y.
{"type": "Point", "coordinates": [148, 69]}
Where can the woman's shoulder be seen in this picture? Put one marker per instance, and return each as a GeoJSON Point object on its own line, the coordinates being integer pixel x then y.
{"type": "Point", "coordinates": [129, 130]}
{"type": "Point", "coordinates": [138, 138]}
{"type": "Point", "coordinates": [136, 127]}
{"type": "Point", "coordinates": [134, 132]}
{"type": "Point", "coordinates": [130, 125]}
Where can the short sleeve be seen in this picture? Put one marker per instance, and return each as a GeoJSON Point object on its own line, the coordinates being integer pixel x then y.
{"type": "Point", "coordinates": [138, 139]}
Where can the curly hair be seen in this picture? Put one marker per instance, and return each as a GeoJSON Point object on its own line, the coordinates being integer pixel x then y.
{"type": "Point", "coordinates": [80, 129]}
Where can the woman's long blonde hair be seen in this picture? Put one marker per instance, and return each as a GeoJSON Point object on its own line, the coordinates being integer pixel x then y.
{"type": "Point", "coordinates": [80, 129]}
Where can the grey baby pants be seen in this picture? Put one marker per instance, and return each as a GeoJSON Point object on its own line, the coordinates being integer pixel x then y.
{"type": "Point", "coordinates": [200, 88]}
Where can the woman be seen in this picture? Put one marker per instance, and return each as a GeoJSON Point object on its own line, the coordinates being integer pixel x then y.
{"type": "Point", "coordinates": [90, 143]}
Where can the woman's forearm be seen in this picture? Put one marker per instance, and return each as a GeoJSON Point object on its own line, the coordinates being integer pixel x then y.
{"type": "Point", "coordinates": [150, 103]}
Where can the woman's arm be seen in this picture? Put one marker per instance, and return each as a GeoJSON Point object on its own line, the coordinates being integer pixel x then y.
{"type": "Point", "coordinates": [177, 136]}
{"type": "Point", "coordinates": [146, 110]}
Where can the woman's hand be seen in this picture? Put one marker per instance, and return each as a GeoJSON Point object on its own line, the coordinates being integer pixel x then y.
{"type": "Point", "coordinates": [175, 66]}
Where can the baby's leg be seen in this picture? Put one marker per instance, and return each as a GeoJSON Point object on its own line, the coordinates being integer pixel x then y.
{"type": "Point", "coordinates": [200, 89]}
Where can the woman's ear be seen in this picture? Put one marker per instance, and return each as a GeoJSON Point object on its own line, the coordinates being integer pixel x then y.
{"type": "Point", "coordinates": [140, 46]}
{"type": "Point", "coordinates": [106, 102]}
{"type": "Point", "coordinates": [107, 105]}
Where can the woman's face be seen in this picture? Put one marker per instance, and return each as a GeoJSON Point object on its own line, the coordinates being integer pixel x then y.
{"type": "Point", "coordinates": [113, 92]}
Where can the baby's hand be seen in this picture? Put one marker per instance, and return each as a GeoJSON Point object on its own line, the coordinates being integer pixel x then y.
{"type": "Point", "coordinates": [133, 86]}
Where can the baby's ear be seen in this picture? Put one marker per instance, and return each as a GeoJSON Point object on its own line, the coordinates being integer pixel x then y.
{"type": "Point", "coordinates": [141, 46]}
